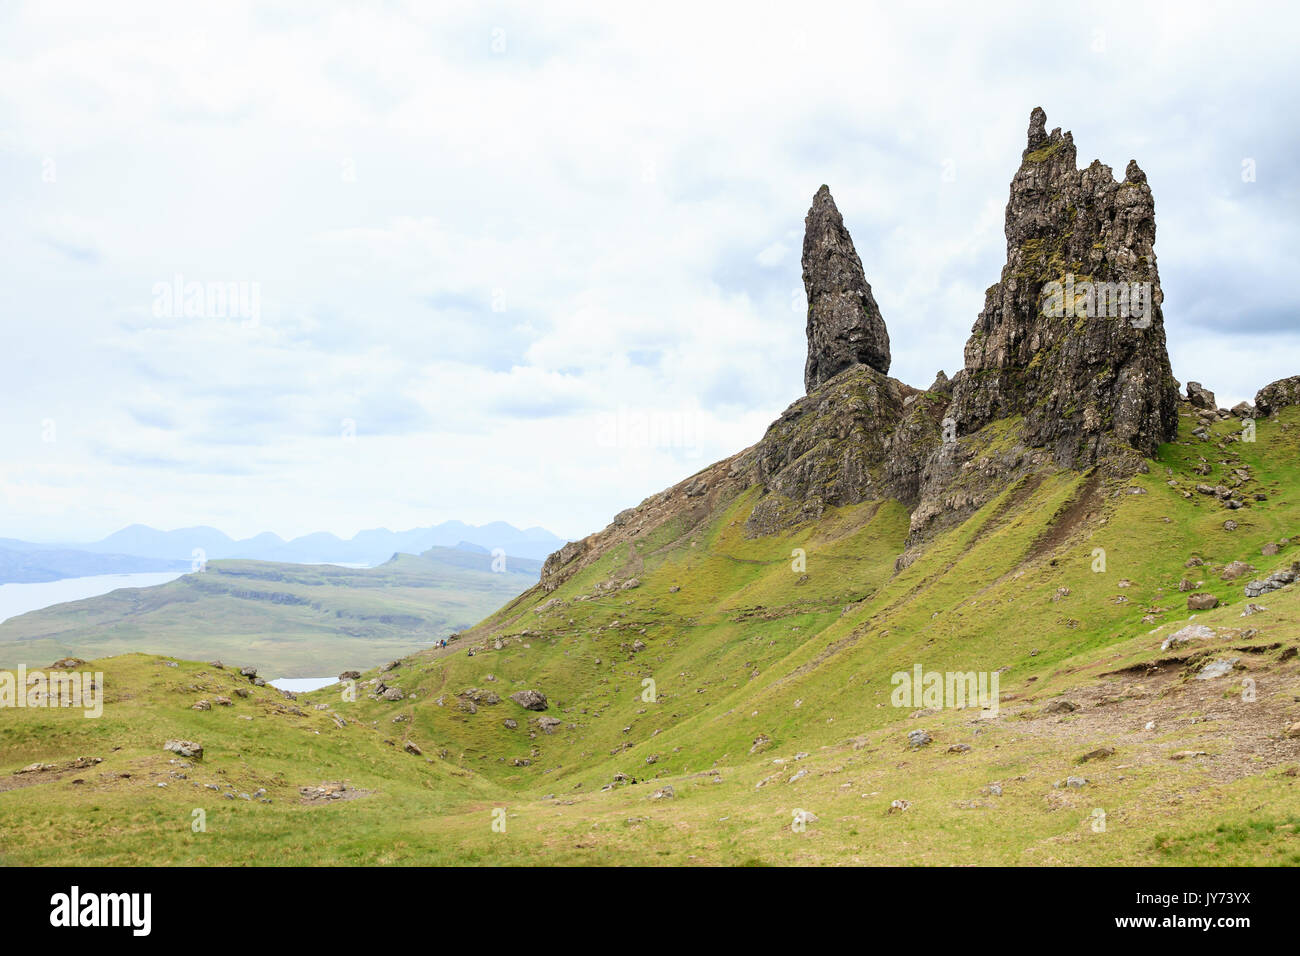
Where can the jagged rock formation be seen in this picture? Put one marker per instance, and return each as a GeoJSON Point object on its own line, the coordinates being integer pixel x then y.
{"type": "Point", "coordinates": [1201, 397]}
{"type": "Point", "coordinates": [1278, 395]}
{"type": "Point", "coordinates": [844, 323]}
{"type": "Point", "coordinates": [1066, 367]}
{"type": "Point", "coordinates": [861, 436]}
{"type": "Point", "coordinates": [1085, 364]}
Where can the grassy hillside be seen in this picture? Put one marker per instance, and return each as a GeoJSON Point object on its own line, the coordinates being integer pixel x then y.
{"type": "Point", "coordinates": [771, 698]}
{"type": "Point", "coordinates": [291, 620]}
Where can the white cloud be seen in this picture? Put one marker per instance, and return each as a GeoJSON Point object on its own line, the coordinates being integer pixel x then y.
{"type": "Point", "coordinates": [483, 234]}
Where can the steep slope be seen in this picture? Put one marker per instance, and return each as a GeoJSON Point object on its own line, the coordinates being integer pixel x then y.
{"type": "Point", "coordinates": [714, 677]}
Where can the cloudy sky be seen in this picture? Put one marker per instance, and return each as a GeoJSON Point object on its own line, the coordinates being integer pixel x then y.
{"type": "Point", "coordinates": [500, 262]}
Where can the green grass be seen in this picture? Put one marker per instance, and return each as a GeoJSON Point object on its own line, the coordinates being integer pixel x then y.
{"type": "Point", "coordinates": [747, 646]}
{"type": "Point", "coordinates": [291, 620]}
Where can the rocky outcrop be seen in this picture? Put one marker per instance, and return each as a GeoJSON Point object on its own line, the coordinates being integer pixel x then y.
{"type": "Point", "coordinates": [1278, 395]}
{"type": "Point", "coordinates": [844, 323]}
{"type": "Point", "coordinates": [1201, 397]}
{"type": "Point", "coordinates": [551, 567]}
{"type": "Point", "coordinates": [1066, 367]}
{"type": "Point", "coordinates": [859, 437]}
{"type": "Point", "coordinates": [530, 699]}
{"type": "Point", "coordinates": [1072, 335]}
{"type": "Point", "coordinates": [691, 502]}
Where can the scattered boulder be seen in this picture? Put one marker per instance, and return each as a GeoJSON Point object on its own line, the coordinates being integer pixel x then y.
{"type": "Point", "coordinates": [549, 724]}
{"type": "Point", "coordinates": [1201, 602]}
{"type": "Point", "coordinates": [1201, 397]}
{"type": "Point", "coordinates": [918, 738]}
{"type": "Point", "coordinates": [1061, 707]}
{"type": "Point", "coordinates": [530, 699]}
{"type": "Point", "coordinates": [1275, 396]}
{"type": "Point", "coordinates": [1234, 570]}
{"type": "Point", "coordinates": [186, 748]}
{"type": "Point", "coordinates": [1192, 632]}
{"type": "Point", "coordinates": [350, 675]}
{"type": "Point", "coordinates": [1276, 580]}
{"type": "Point", "coordinates": [1220, 668]}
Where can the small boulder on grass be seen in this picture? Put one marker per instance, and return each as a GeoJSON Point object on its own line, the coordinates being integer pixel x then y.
{"type": "Point", "coordinates": [186, 748]}
{"type": "Point", "coordinates": [1215, 669]}
{"type": "Point", "coordinates": [1192, 632]}
{"type": "Point", "coordinates": [549, 725]}
{"type": "Point", "coordinates": [1202, 602]}
{"type": "Point", "coordinates": [530, 699]}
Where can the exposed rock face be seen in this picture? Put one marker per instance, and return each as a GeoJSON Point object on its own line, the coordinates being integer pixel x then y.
{"type": "Point", "coordinates": [863, 436]}
{"type": "Point", "coordinates": [844, 323]}
{"type": "Point", "coordinates": [1201, 397]}
{"type": "Point", "coordinates": [559, 559]}
{"type": "Point", "coordinates": [1067, 362]}
{"type": "Point", "coordinates": [1072, 337]}
{"type": "Point", "coordinates": [1278, 395]}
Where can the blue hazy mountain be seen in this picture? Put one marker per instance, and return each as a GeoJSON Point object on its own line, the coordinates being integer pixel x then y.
{"type": "Point", "coordinates": [23, 563]}
{"type": "Point", "coordinates": [371, 547]}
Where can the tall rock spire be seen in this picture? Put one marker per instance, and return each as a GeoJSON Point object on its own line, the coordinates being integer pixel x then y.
{"type": "Point", "coordinates": [1073, 337]}
{"type": "Point", "coordinates": [844, 323]}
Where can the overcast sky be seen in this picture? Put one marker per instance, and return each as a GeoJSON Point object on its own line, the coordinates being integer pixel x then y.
{"type": "Point", "coordinates": [507, 264]}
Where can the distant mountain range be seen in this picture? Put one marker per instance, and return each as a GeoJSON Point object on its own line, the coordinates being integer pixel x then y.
{"type": "Point", "coordinates": [141, 548]}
